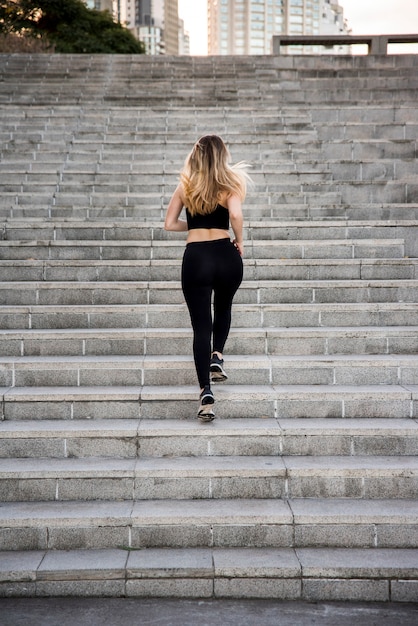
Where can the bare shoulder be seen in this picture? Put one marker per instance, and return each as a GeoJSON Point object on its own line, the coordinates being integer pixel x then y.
{"type": "Point", "coordinates": [180, 192]}
{"type": "Point", "coordinates": [227, 199]}
{"type": "Point", "coordinates": [233, 203]}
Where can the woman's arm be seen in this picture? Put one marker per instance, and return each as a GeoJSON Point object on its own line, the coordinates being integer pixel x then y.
{"type": "Point", "coordinates": [175, 206]}
{"type": "Point", "coordinates": [236, 218]}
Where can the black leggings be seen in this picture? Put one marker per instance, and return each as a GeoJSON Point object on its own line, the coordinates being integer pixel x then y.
{"type": "Point", "coordinates": [210, 266]}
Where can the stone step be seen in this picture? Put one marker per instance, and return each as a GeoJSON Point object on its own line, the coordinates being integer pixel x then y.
{"type": "Point", "coordinates": [289, 79]}
{"type": "Point", "coordinates": [160, 251]}
{"type": "Point", "coordinates": [351, 192]}
{"type": "Point", "coordinates": [137, 438]}
{"type": "Point", "coordinates": [170, 269]}
{"type": "Point", "coordinates": [262, 316]}
{"type": "Point", "coordinates": [244, 340]}
{"type": "Point", "coordinates": [307, 574]}
{"type": "Point", "coordinates": [97, 115]}
{"type": "Point", "coordinates": [152, 234]}
{"type": "Point", "coordinates": [92, 159]}
{"type": "Point", "coordinates": [356, 212]}
{"type": "Point", "coordinates": [171, 119]}
{"type": "Point", "coordinates": [153, 93]}
{"type": "Point", "coordinates": [153, 172]}
{"type": "Point", "coordinates": [44, 126]}
{"type": "Point", "coordinates": [250, 292]}
{"type": "Point", "coordinates": [217, 477]}
{"type": "Point", "coordinates": [147, 232]}
{"type": "Point", "coordinates": [232, 401]}
{"type": "Point", "coordinates": [165, 370]}
{"type": "Point", "coordinates": [328, 173]}
{"type": "Point", "coordinates": [142, 206]}
{"type": "Point", "coordinates": [262, 212]}
{"type": "Point", "coordinates": [268, 523]}
{"type": "Point", "coordinates": [74, 66]}
{"type": "Point", "coordinates": [153, 187]}
{"type": "Point", "coordinates": [119, 206]}
{"type": "Point", "coordinates": [266, 165]}
{"type": "Point", "coordinates": [359, 131]}
{"type": "Point", "coordinates": [244, 75]}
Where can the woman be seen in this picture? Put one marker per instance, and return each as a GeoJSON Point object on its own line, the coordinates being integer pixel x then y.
{"type": "Point", "coordinates": [211, 190]}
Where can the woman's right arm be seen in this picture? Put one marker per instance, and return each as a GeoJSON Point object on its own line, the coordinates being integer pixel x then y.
{"type": "Point", "coordinates": [175, 206]}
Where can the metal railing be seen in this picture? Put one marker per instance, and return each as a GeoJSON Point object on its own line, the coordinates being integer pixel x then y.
{"type": "Point", "coordinates": [377, 44]}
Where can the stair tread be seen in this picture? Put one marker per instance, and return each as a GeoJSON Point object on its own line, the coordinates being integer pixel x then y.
{"type": "Point", "coordinates": [175, 284]}
{"type": "Point", "coordinates": [204, 511]}
{"type": "Point", "coordinates": [42, 565]}
{"type": "Point", "coordinates": [304, 331]}
{"type": "Point", "coordinates": [234, 360]}
{"type": "Point", "coordinates": [208, 466]}
{"type": "Point", "coordinates": [222, 427]}
{"type": "Point", "coordinates": [310, 224]}
{"type": "Point", "coordinates": [172, 262]}
{"type": "Point", "coordinates": [285, 306]}
{"type": "Point", "coordinates": [189, 391]}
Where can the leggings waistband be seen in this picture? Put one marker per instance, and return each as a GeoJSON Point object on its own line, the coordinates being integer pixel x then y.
{"type": "Point", "coordinates": [212, 242]}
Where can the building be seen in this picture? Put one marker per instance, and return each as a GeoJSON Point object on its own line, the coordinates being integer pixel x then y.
{"type": "Point", "coordinates": [100, 5]}
{"type": "Point", "coordinates": [184, 39]}
{"type": "Point", "coordinates": [332, 19]}
{"type": "Point", "coordinates": [154, 22]}
{"type": "Point", "coordinates": [247, 26]}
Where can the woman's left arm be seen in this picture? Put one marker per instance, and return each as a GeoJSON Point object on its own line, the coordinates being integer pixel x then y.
{"type": "Point", "coordinates": [175, 206]}
{"type": "Point", "coordinates": [237, 221]}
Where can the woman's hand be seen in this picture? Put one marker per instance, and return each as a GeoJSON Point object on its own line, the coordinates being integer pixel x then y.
{"type": "Point", "coordinates": [239, 246]}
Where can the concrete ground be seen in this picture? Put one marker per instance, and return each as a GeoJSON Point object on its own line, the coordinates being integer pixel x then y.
{"type": "Point", "coordinates": [174, 612]}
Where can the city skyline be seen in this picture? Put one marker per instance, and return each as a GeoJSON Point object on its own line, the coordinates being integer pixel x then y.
{"type": "Point", "coordinates": [365, 17]}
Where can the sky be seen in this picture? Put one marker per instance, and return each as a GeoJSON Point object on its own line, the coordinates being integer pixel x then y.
{"type": "Point", "coordinates": [365, 17]}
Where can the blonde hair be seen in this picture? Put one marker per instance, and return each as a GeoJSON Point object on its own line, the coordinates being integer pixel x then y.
{"type": "Point", "coordinates": [206, 174]}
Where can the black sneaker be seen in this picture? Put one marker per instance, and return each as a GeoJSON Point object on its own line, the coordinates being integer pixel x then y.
{"type": "Point", "coordinates": [205, 412]}
{"type": "Point", "coordinates": [217, 372]}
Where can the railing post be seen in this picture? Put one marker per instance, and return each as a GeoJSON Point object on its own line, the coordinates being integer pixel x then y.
{"type": "Point", "coordinates": [276, 44]}
{"type": "Point", "coordinates": [378, 45]}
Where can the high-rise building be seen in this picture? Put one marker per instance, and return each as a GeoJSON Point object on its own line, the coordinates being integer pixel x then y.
{"type": "Point", "coordinates": [100, 5]}
{"type": "Point", "coordinates": [184, 39]}
{"type": "Point", "coordinates": [332, 19]}
{"type": "Point", "coordinates": [154, 22]}
{"type": "Point", "coordinates": [247, 26]}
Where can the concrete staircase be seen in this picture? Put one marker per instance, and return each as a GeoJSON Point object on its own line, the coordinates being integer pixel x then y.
{"type": "Point", "coordinates": [306, 485]}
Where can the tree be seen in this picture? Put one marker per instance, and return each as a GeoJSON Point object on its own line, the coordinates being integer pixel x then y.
{"type": "Point", "coordinates": [68, 26]}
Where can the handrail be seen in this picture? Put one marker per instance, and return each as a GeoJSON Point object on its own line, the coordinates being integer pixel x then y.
{"type": "Point", "coordinates": [377, 44]}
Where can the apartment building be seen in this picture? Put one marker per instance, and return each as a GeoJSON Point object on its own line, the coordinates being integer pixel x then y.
{"type": "Point", "coordinates": [247, 26]}
{"type": "Point", "coordinates": [100, 5]}
{"type": "Point", "coordinates": [154, 22]}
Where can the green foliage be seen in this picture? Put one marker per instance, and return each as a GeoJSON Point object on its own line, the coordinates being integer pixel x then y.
{"type": "Point", "coordinates": [67, 25]}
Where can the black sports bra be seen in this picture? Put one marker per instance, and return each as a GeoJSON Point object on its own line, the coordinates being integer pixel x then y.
{"type": "Point", "coordinates": [219, 218]}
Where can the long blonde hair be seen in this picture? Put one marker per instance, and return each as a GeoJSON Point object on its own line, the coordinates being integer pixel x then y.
{"type": "Point", "coordinates": [206, 174]}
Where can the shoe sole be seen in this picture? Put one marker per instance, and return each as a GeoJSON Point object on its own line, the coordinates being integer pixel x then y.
{"type": "Point", "coordinates": [217, 374]}
{"type": "Point", "coordinates": [217, 377]}
{"type": "Point", "coordinates": [206, 417]}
